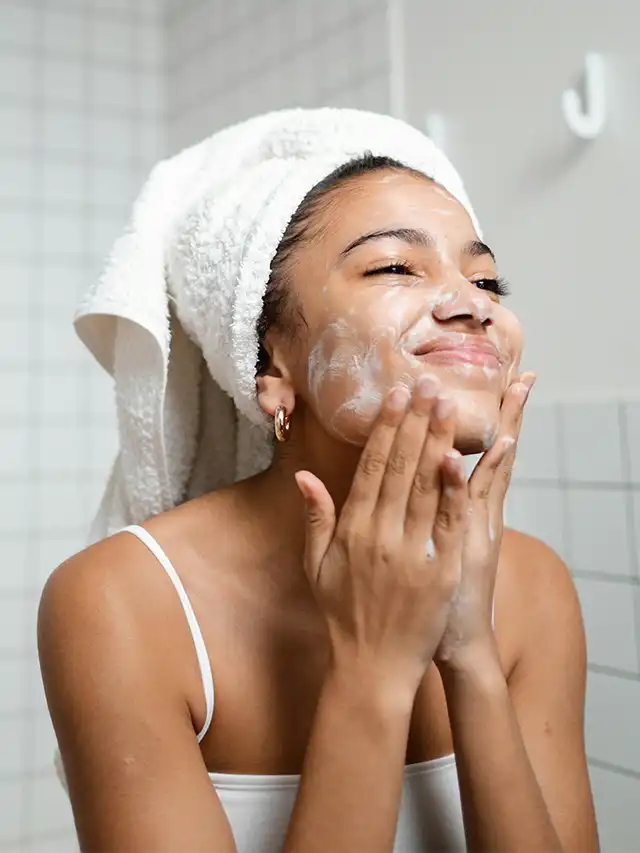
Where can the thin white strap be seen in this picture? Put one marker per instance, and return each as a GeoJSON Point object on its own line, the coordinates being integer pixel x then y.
{"type": "Point", "coordinates": [201, 650]}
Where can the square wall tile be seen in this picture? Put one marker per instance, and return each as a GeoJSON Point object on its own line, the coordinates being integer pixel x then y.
{"type": "Point", "coordinates": [14, 451]}
{"type": "Point", "coordinates": [18, 24]}
{"type": "Point", "coordinates": [111, 40]}
{"type": "Point", "coordinates": [18, 129]}
{"type": "Point", "coordinates": [616, 799]}
{"type": "Point", "coordinates": [65, 131]}
{"type": "Point", "coordinates": [63, 841]}
{"type": "Point", "coordinates": [113, 88]}
{"type": "Point", "coordinates": [16, 337]}
{"type": "Point", "coordinates": [609, 618]}
{"type": "Point", "coordinates": [632, 418]}
{"type": "Point", "coordinates": [59, 344]}
{"type": "Point", "coordinates": [17, 179]}
{"type": "Point", "coordinates": [15, 507]}
{"type": "Point", "coordinates": [111, 137]}
{"type": "Point", "coordinates": [17, 77]}
{"type": "Point", "coordinates": [63, 233]}
{"type": "Point", "coordinates": [592, 451]}
{"type": "Point", "coordinates": [11, 799]}
{"type": "Point", "coordinates": [14, 552]}
{"type": "Point", "coordinates": [63, 183]}
{"type": "Point", "coordinates": [64, 32]}
{"type": "Point", "coordinates": [14, 393]}
{"type": "Point", "coordinates": [598, 531]}
{"type": "Point", "coordinates": [13, 675]}
{"type": "Point", "coordinates": [13, 624]}
{"type": "Point", "coordinates": [17, 229]}
{"type": "Point", "coordinates": [50, 809]}
{"type": "Point", "coordinates": [149, 44]}
{"type": "Point", "coordinates": [64, 81]}
{"type": "Point", "coordinates": [16, 279]}
{"type": "Point", "coordinates": [58, 447]}
{"type": "Point", "coordinates": [44, 743]}
{"type": "Point", "coordinates": [12, 742]}
{"type": "Point", "coordinates": [538, 456]}
{"type": "Point", "coordinates": [61, 398]}
{"type": "Point", "coordinates": [62, 502]}
{"type": "Point", "coordinates": [539, 512]}
{"type": "Point", "coordinates": [612, 714]}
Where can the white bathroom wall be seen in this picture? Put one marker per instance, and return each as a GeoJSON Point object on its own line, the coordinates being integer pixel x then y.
{"type": "Point", "coordinates": [229, 61]}
{"type": "Point", "coordinates": [577, 487]}
{"type": "Point", "coordinates": [80, 123]}
{"type": "Point", "coordinates": [89, 100]}
{"type": "Point", "coordinates": [560, 214]}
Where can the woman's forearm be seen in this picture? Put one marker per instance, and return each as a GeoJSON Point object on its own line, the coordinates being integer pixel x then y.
{"type": "Point", "coordinates": [502, 804]}
{"type": "Point", "coordinates": [351, 782]}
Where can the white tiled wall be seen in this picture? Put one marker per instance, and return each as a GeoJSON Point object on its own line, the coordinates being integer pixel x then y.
{"type": "Point", "coordinates": [80, 123]}
{"type": "Point", "coordinates": [229, 61]}
{"type": "Point", "coordinates": [577, 487]}
{"type": "Point", "coordinates": [89, 100]}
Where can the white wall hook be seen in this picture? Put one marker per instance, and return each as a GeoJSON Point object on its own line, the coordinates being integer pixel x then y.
{"type": "Point", "coordinates": [587, 122]}
{"type": "Point", "coordinates": [434, 126]}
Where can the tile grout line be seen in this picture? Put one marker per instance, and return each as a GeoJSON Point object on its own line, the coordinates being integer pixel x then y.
{"type": "Point", "coordinates": [632, 533]}
{"type": "Point", "coordinates": [613, 768]}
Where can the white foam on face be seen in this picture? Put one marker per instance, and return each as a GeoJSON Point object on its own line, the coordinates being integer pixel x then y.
{"type": "Point", "coordinates": [345, 351]}
{"type": "Point", "coordinates": [430, 550]}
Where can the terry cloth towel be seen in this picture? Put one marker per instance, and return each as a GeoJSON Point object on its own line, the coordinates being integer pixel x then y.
{"type": "Point", "coordinates": [173, 316]}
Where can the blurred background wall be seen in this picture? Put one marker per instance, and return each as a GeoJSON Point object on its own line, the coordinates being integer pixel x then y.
{"type": "Point", "coordinates": [93, 92]}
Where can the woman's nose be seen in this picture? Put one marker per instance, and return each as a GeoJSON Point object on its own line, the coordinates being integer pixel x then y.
{"type": "Point", "coordinates": [464, 301]}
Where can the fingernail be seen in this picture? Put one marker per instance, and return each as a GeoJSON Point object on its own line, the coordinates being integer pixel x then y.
{"type": "Point", "coordinates": [427, 386]}
{"type": "Point", "coordinates": [399, 398]}
{"type": "Point", "coordinates": [455, 460]}
{"type": "Point", "coordinates": [444, 407]}
{"type": "Point", "coordinates": [528, 379]}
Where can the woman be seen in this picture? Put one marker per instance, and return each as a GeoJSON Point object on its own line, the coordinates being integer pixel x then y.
{"type": "Point", "coordinates": [343, 599]}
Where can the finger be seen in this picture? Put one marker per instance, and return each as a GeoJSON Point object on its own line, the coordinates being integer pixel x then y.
{"type": "Point", "coordinates": [451, 513]}
{"type": "Point", "coordinates": [320, 515]}
{"type": "Point", "coordinates": [483, 476]}
{"type": "Point", "coordinates": [425, 490]}
{"type": "Point", "coordinates": [406, 452]}
{"type": "Point", "coordinates": [504, 470]}
{"type": "Point", "coordinates": [365, 487]}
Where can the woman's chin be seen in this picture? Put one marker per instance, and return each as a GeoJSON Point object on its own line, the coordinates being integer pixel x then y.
{"type": "Point", "coordinates": [478, 420]}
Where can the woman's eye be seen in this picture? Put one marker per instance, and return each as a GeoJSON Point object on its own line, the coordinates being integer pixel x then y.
{"type": "Point", "coordinates": [499, 285]}
{"type": "Point", "coordinates": [391, 269]}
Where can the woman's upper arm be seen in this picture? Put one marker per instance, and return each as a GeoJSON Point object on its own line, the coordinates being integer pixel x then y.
{"type": "Point", "coordinates": [547, 688]}
{"type": "Point", "coordinates": [136, 778]}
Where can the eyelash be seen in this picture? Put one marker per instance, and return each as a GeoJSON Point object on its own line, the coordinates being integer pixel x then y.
{"type": "Point", "coordinates": [498, 285]}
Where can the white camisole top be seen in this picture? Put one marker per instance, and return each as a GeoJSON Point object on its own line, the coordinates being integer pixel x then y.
{"type": "Point", "coordinates": [258, 807]}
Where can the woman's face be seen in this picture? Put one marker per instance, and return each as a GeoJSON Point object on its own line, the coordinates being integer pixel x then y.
{"type": "Point", "coordinates": [398, 285]}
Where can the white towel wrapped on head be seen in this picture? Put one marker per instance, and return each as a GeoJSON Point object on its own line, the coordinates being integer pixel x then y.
{"type": "Point", "coordinates": [173, 317]}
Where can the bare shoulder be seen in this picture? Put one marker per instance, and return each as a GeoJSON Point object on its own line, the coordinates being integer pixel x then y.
{"type": "Point", "coordinates": [116, 667]}
{"type": "Point", "coordinates": [535, 592]}
{"type": "Point", "coordinates": [106, 584]}
{"type": "Point", "coordinates": [112, 606]}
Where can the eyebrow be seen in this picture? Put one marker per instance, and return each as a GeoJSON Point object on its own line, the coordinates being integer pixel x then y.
{"type": "Point", "coordinates": [417, 237]}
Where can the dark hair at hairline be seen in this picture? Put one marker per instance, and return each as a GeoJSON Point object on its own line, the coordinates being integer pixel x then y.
{"type": "Point", "coordinates": [278, 308]}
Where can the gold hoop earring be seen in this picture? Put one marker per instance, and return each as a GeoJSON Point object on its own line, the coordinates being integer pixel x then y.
{"type": "Point", "coordinates": [281, 423]}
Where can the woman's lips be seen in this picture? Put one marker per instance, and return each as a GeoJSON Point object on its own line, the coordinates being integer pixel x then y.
{"type": "Point", "coordinates": [479, 353]}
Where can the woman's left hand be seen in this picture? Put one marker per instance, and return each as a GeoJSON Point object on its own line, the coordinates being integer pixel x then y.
{"type": "Point", "coordinates": [469, 626]}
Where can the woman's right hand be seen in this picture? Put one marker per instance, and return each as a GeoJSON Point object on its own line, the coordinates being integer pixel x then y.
{"type": "Point", "coordinates": [385, 571]}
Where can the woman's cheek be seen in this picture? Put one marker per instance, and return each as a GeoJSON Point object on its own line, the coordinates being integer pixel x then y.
{"type": "Point", "coordinates": [348, 378]}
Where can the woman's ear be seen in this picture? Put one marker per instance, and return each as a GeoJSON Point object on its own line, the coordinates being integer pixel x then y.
{"type": "Point", "coordinates": [274, 387]}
